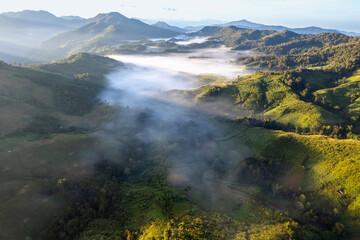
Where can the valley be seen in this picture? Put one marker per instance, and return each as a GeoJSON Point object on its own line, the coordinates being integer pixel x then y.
{"type": "Point", "coordinates": [117, 129]}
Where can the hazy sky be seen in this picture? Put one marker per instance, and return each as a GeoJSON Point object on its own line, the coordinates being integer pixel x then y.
{"type": "Point", "coordinates": [343, 14]}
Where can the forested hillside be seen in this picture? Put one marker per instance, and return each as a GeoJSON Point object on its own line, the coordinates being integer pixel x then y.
{"type": "Point", "coordinates": [45, 119]}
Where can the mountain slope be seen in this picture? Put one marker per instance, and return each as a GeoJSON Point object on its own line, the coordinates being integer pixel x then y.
{"type": "Point", "coordinates": [103, 30]}
{"type": "Point", "coordinates": [44, 113]}
{"type": "Point", "coordinates": [56, 90]}
{"type": "Point", "coordinates": [330, 168]}
{"type": "Point", "coordinates": [22, 31]}
{"type": "Point", "coordinates": [271, 41]}
{"type": "Point", "coordinates": [262, 95]}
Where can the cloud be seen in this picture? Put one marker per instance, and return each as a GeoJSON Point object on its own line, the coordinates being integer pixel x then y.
{"type": "Point", "coordinates": [170, 9]}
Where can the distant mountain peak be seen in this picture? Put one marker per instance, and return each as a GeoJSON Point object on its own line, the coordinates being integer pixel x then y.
{"type": "Point", "coordinates": [115, 14]}
{"type": "Point", "coordinates": [42, 17]}
{"type": "Point", "coordinates": [108, 18]}
{"type": "Point", "coordinates": [304, 30]}
{"type": "Point", "coordinates": [30, 14]}
{"type": "Point", "coordinates": [110, 15]}
{"type": "Point", "coordinates": [161, 24]}
{"type": "Point", "coordinates": [164, 25]}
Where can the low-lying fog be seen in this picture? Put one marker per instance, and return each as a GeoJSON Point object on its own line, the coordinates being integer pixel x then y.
{"type": "Point", "coordinates": [192, 40]}
{"type": "Point", "coordinates": [175, 71]}
{"type": "Point", "coordinates": [189, 135]}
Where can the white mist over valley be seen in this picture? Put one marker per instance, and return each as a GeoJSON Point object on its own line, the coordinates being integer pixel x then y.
{"type": "Point", "coordinates": [139, 86]}
{"type": "Point", "coordinates": [153, 73]}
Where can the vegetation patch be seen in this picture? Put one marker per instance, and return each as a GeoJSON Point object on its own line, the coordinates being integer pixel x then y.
{"type": "Point", "coordinates": [331, 167]}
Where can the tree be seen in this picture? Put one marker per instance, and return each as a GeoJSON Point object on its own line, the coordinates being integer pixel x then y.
{"type": "Point", "coordinates": [186, 190]}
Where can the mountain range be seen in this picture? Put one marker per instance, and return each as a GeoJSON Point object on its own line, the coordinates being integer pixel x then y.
{"type": "Point", "coordinates": [257, 26]}
{"type": "Point", "coordinates": [21, 27]}
{"type": "Point", "coordinates": [104, 30]}
{"type": "Point", "coordinates": [58, 37]}
{"type": "Point", "coordinates": [306, 30]}
{"type": "Point", "coordinates": [22, 31]}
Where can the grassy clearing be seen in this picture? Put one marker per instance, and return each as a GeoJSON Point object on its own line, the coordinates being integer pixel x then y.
{"type": "Point", "coordinates": [211, 79]}
{"type": "Point", "coordinates": [345, 96]}
{"type": "Point", "coordinates": [354, 108]}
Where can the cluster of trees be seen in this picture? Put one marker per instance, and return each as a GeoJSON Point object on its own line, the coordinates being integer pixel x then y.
{"type": "Point", "coordinates": [97, 197]}
{"type": "Point", "coordinates": [81, 80]}
{"type": "Point", "coordinates": [267, 172]}
{"type": "Point", "coordinates": [101, 196]}
{"type": "Point", "coordinates": [340, 59]}
{"type": "Point", "coordinates": [273, 42]}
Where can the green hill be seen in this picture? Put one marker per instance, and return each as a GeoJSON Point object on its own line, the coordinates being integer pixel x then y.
{"type": "Point", "coordinates": [264, 95]}
{"type": "Point", "coordinates": [330, 178]}
{"type": "Point", "coordinates": [341, 59]}
{"type": "Point", "coordinates": [344, 97]}
{"type": "Point", "coordinates": [31, 96]}
{"type": "Point", "coordinates": [82, 63]}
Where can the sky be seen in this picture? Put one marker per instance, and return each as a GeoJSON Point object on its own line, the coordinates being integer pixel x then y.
{"type": "Point", "coordinates": [340, 14]}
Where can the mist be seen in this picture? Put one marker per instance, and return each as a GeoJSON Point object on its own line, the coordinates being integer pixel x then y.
{"type": "Point", "coordinates": [192, 40]}
{"type": "Point", "coordinates": [189, 138]}
{"type": "Point", "coordinates": [217, 61]}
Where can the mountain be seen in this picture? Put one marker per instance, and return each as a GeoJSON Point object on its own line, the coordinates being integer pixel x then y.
{"type": "Point", "coordinates": [189, 26]}
{"type": "Point", "coordinates": [164, 25]}
{"type": "Point", "coordinates": [43, 18]}
{"type": "Point", "coordinates": [270, 41]}
{"type": "Point", "coordinates": [247, 24]}
{"type": "Point", "coordinates": [73, 18]}
{"type": "Point", "coordinates": [185, 23]}
{"type": "Point", "coordinates": [307, 30]}
{"type": "Point", "coordinates": [22, 31]}
{"type": "Point", "coordinates": [194, 28]}
{"type": "Point", "coordinates": [198, 25]}
{"type": "Point", "coordinates": [104, 30]}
